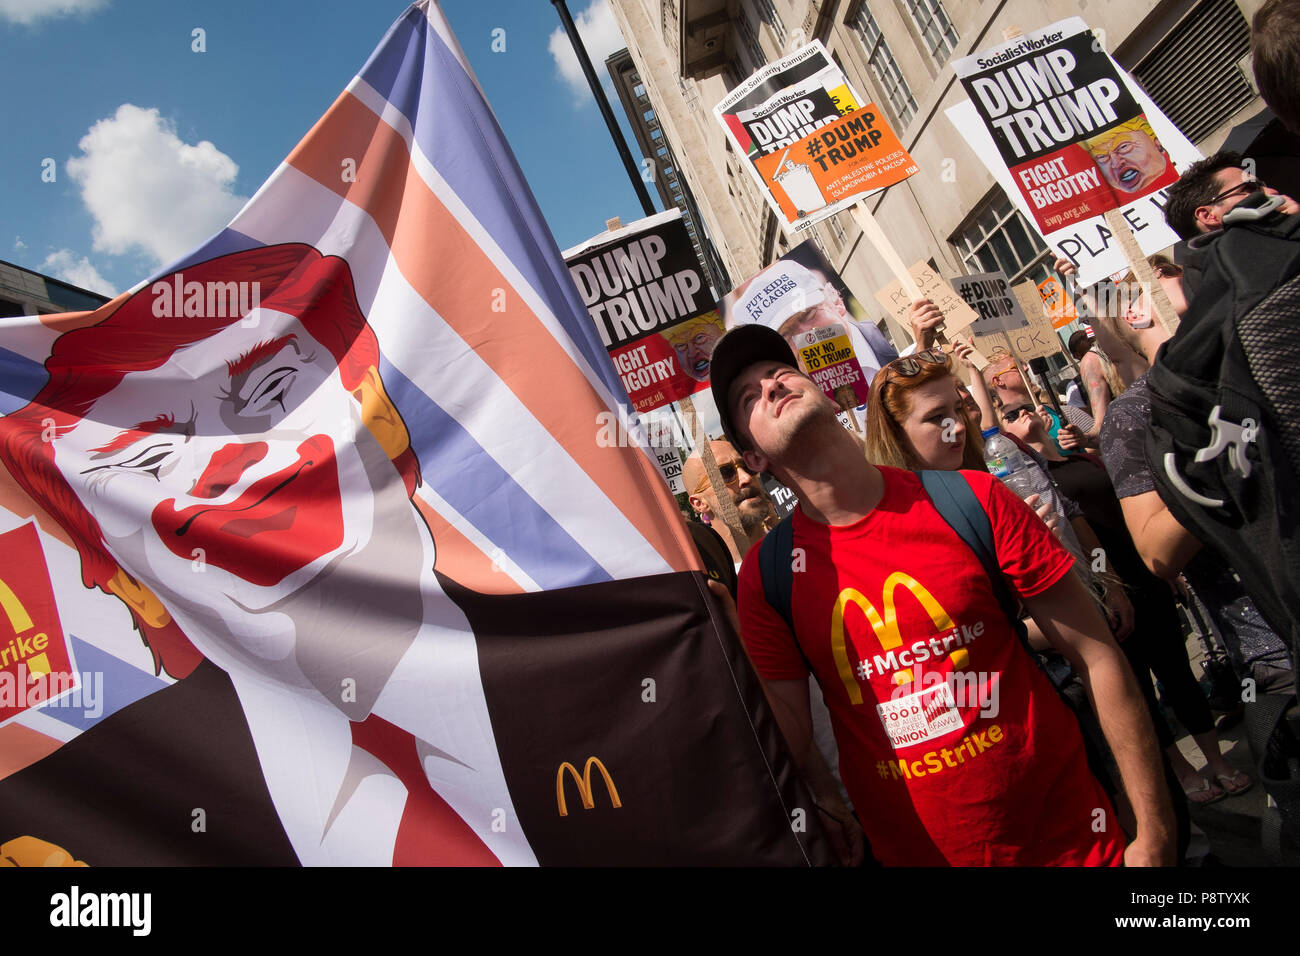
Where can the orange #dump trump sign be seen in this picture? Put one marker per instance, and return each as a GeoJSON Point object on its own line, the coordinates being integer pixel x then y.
{"type": "Point", "coordinates": [845, 159]}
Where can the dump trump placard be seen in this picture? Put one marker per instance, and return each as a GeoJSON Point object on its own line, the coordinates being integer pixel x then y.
{"type": "Point", "coordinates": [644, 289]}
{"type": "Point", "coordinates": [1070, 137]}
{"type": "Point", "coordinates": [812, 145]}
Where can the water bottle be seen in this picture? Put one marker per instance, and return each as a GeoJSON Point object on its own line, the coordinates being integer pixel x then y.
{"type": "Point", "coordinates": [1026, 477]}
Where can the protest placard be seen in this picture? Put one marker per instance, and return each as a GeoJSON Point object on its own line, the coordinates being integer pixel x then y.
{"type": "Point", "coordinates": [1057, 303]}
{"type": "Point", "coordinates": [990, 295]}
{"type": "Point", "coordinates": [813, 147]}
{"type": "Point", "coordinates": [1069, 136]}
{"type": "Point", "coordinates": [1038, 339]}
{"type": "Point", "coordinates": [661, 434]}
{"type": "Point", "coordinates": [827, 357]}
{"type": "Point", "coordinates": [646, 293]}
{"type": "Point", "coordinates": [957, 315]}
{"type": "Point", "coordinates": [800, 292]}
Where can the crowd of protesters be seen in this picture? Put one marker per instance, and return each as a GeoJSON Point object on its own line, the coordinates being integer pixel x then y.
{"type": "Point", "coordinates": [1096, 567]}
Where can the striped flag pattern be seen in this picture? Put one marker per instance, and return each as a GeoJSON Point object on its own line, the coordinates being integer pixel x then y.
{"type": "Point", "coordinates": [570, 694]}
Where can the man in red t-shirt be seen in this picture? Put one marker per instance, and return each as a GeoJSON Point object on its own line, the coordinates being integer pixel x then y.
{"type": "Point", "coordinates": [954, 747]}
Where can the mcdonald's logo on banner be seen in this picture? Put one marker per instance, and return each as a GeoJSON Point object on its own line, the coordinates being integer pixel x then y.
{"type": "Point", "coordinates": [886, 628]}
{"type": "Point", "coordinates": [34, 661]}
{"type": "Point", "coordinates": [584, 785]}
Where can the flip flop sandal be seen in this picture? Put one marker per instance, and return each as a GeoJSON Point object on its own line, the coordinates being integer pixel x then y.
{"type": "Point", "coordinates": [1230, 785]}
{"type": "Point", "coordinates": [1207, 793]}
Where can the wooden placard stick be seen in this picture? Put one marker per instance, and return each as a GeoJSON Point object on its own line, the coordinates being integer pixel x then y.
{"type": "Point", "coordinates": [871, 229]}
{"type": "Point", "coordinates": [726, 506]}
{"type": "Point", "coordinates": [1146, 276]}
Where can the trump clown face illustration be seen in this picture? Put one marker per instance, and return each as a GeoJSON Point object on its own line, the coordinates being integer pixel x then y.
{"type": "Point", "coordinates": [245, 473]}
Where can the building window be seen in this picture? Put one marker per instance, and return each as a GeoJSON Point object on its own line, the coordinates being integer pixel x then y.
{"type": "Point", "coordinates": [838, 232]}
{"type": "Point", "coordinates": [936, 28]}
{"type": "Point", "coordinates": [767, 13]}
{"type": "Point", "coordinates": [884, 66]}
{"type": "Point", "coordinates": [1192, 73]}
{"type": "Point", "coordinates": [998, 238]}
{"type": "Point", "coordinates": [755, 49]}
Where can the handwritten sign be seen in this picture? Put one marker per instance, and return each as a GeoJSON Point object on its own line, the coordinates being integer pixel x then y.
{"type": "Point", "coordinates": [957, 315]}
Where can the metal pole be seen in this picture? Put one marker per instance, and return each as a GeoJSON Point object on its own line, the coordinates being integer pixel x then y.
{"type": "Point", "coordinates": [633, 171]}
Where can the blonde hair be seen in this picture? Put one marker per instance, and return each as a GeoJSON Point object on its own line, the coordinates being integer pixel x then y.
{"type": "Point", "coordinates": [682, 333]}
{"type": "Point", "coordinates": [1138, 124]}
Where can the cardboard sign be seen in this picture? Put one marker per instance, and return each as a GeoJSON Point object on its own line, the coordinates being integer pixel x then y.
{"type": "Point", "coordinates": [957, 315]}
{"type": "Point", "coordinates": [990, 295]}
{"type": "Point", "coordinates": [1038, 339]}
{"type": "Point", "coordinates": [828, 358]}
{"type": "Point", "coordinates": [1068, 135]}
{"type": "Point", "coordinates": [813, 148]}
{"type": "Point", "coordinates": [646, 293]}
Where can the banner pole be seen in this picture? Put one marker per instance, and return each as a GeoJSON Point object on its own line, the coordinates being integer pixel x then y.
{"type": "Point", "coordinates": [1146, 276]}
{"type": "Point", "coordinates": [871, 229]}
{"type": "Point", "coordinates": [726, 507]}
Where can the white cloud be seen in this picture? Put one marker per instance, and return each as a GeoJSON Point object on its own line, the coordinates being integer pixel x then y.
{"type": "Point", "coordinates": [28, 12]}
{"type": "Point", "coordinates": [600, 35]}
{"type": "Point", "coordinates": [19, 245]}
{"type": "Point", "coordinates": [70, 267]}
{"type": "Point", "coordinates": [147, 190]}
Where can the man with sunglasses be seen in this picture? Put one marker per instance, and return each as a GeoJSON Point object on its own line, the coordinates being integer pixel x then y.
{"type": "Point", "coordinates": [936, 775]}
{"type": "Point", "coordinates": [746, 490]}
{"type": "Point", "coordinates": [1208, 189]}
{"type": "Point", "coordinates": [1077, 433]}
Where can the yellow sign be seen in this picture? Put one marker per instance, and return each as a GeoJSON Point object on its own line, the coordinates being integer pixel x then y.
{"type": "Point", "coordinates": [584, 785]}
{"type": "Point", "coordinates": [886, 628]}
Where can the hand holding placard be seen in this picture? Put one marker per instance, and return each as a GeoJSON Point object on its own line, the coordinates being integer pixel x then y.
{"type": "Point", "coordinates": [957, 315]}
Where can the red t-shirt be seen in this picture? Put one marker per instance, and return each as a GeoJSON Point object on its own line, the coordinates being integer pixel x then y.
{"type": "Point", "coordinates": [954, 746]}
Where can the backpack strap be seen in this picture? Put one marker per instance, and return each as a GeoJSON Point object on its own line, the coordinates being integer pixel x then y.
{"type": "Point", "coordinates": [956, 503]}
{"type": "Point", "coordinates": [775, 565]}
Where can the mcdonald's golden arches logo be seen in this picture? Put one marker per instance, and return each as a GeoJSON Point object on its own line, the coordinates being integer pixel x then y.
{"type": "Point", "coordinates": [584, 785]}
{"type": "Point", "coordinates": [886, 628]}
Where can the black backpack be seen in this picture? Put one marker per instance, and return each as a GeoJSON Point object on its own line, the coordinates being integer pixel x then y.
{"type": "Point", "coordinates": [1224, 441]}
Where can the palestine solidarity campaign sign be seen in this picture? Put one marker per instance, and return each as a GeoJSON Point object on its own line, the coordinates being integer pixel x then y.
{"type": "Point", "coordinates": [1075, 138]}
{"type": "Point", "coordinates": [813, 150]}
{"type": "Point", "coordinates": [311, 554]}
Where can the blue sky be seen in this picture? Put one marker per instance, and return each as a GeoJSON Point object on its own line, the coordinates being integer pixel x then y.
{"type": "Point", "coordinates": [155, 146]}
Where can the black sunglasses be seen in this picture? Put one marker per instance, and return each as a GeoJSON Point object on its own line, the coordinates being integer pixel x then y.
{"type": "Point", "coordinates": [1241, 189]}
{"type": "Point", "coordinates": [729, 472]}
{"type": "Point", "coordinates": [1013, 414]}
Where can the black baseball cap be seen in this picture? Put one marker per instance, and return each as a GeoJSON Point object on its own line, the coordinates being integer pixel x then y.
{"type": "Point", "coordinates": [735, 352]}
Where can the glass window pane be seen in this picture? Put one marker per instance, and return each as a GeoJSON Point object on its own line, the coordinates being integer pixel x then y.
{"type": "Point", "coordinates": [1006, 258]}
{"type": "Point", "coordinates": [1025, 250]}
